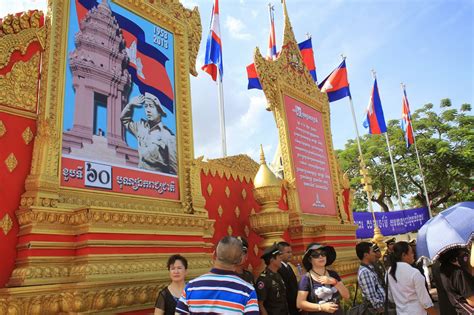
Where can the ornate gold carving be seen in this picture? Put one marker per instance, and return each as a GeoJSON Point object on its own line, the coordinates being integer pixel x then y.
{"type": "Point", "coordinates": [18, 32]}
{"type": "Point", "coordinates": [220, 211]}
{"type": "Point", "coordinates": [227, 191]}
{"type": "Point", "coordinates": [3, 129]}
{"type": "Point", "coordinates": [237, 212]}
{"type": "Point", "coordinates": [209, 189]}
{"type": "Point", "coordinates": [6, 223]}
{"type": "Point", "coordinates": [11, 162]}
{"type": "Point", "coordinates": [240, 167]}
{"type": "Point", "coordinates": [18, 88]}
{"type": "Point", "coordinates": [27, 135]}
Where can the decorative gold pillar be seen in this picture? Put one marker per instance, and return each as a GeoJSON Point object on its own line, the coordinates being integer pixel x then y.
{"type": "Point", "coordinates": [367, 181]}
{"type": "Point", "coordinates": [271, 222]}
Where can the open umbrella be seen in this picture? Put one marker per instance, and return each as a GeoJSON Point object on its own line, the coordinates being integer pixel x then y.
{"type": "Point", "coordinates": [453, 227]}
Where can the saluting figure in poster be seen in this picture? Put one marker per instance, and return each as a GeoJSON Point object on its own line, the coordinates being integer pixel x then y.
{"type": "Point", "coordinates": [156, 142]}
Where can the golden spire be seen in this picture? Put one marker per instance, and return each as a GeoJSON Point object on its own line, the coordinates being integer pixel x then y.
{"type": "Point", "coordinates": [265, 176]}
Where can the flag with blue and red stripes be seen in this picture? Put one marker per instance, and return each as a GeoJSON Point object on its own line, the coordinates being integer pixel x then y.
{"type": "Point", "coordinates": [306, 49]}
{"type": "Point", "coordinates": [374, 118]}
{"type": "Point", "coordinates": [336, 84]}
{"type": "Point", "coordinates": [213, 63]}
{"type": "Point", "coordinates": [272, 50]}
{"type": "Point", "coordinates": [406, 121]}
{"type": "Point", "coordinates": [147, 63]}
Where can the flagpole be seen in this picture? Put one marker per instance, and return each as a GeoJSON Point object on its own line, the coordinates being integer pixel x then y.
{"type": "Point", "coordinates": [400, 203]}
{"type": "Point", "coordinates": [419, 162]}
{"type": "Point", "coordinates": [220, 92]}
{"type": "Point", "coordinates": [363, 171]}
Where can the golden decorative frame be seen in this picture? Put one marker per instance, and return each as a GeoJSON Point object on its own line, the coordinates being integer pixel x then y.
{"type": "Point", "coordinates": [288, 75]}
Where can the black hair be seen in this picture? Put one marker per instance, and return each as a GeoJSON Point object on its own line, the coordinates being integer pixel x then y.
{"type": "Point", "coordinates": [446, 259]}
{"type": "Point", "coordinates": [307, 258]}
{"type": "Point", "coordinates": [363, 248]}
{"type": "Point", "coordinates": [174, 258]}
{"type": "Point", "coordinates": [399, 249]}
{"type": "Point", "coordinates": [283, 244]}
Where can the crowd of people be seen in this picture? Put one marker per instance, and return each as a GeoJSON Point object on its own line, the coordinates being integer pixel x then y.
{"type": "Point", "coordinates": [390, 284]}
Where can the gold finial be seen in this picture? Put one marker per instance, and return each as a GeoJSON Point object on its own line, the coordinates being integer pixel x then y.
{"type": "Point", "coordinates": [265, 176]}
{"type": "Point", "coordinates": [262, 156]}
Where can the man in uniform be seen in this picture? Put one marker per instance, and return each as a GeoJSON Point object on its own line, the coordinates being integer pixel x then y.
{"type": "Point", "coordinates": [387, 257]}
{"type": "Point", "coordinates": [287, 274]}
{"type": "Point", "coordinates": [378, 264]}
{"type": "Point", "coordinates": [156, 142]}
{"type": "Point", "coordinates": [271, 290]}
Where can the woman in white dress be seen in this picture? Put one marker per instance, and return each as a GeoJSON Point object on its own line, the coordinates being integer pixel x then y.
{"type": "Point", "coordinates": [406, 285]}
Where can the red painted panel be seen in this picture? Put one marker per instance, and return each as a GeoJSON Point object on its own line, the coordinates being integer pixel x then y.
{"type": "Point", "coordinates": [12, 184]}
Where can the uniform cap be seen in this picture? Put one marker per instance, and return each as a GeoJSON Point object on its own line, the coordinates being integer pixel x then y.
{"type": "Point", "coordinates": [390, 241]}
{"type": "Point", "coordinates": [270, 252]}
{"type": "Point", "coordinates": [157, 103]}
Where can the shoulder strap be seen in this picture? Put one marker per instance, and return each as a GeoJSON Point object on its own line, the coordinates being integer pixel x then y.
{"type": "Point", "coordinates": [355, 294]}
{"type": "Point", "coordinates": [313, 298]}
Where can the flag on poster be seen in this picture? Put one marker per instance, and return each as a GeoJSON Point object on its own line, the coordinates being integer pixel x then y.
{"type": "Point", "coordinates": [406, 121]}
{"type": "Point", "coordinates": [374, 119]}
{"type": "Point", "coordinates": [306, 49]}
{"type": "Point", "coordinates": [336, 84]}
{"type": "Point", "coordinates": [147, 63]}
{"type": "Point", "coordinates": [213, 58]}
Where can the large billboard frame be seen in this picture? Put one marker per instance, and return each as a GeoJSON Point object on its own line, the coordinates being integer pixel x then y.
{"type": "Point", "coordinates": [288, 76]}
{"type": "Point", "coordinates": [43, 185]}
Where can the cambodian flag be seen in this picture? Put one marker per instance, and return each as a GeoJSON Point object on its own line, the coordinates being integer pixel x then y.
{"type": "Point", "coordinates": [213, 59]}
{"type": "Point", "coordinates": [272, 50]}
{"type": "Point", "coordinates": [254, 82]}
{"type": "Point", "coordinates": [306, 49]}
{"type": "Point", "coordinates": [406, 121]}
{"type": "Point", "coordinates": [147, 63]}
{"type": "Point", "coordinates": [336, 84]}
{"type": "Point", "coordinates": [374, 119]}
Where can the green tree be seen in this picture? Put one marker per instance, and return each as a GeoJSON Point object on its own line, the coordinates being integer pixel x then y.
{"type": "Point", "coordinates": [445, 143]}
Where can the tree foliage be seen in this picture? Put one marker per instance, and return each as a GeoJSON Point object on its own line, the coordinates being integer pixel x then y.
{"type": "Point", "coordinates": [445, 143]}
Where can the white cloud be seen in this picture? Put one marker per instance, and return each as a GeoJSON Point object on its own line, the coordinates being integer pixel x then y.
{"type": "Point", "coordinates": [9, 6]}
{"type": "Point", "coordinates": [237, 28]}
{"type": "Point", "coordinates": [190, 4]}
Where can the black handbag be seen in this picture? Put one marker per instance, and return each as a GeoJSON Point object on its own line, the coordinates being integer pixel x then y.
{"type": "Point", "coordinates": [359, 309]}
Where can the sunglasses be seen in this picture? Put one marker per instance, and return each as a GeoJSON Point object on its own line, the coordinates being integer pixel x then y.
{"type": "Point", "coordinates": [318, 254]}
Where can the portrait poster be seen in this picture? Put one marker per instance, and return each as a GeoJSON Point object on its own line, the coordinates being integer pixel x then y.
{"type": "Point", "coordinates": [119, 118]}
{"type": "Point", "coordinates": [310, 158]}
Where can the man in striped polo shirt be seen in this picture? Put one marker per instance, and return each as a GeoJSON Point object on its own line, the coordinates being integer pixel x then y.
{"type": "Point", "coordinates": [221, 291]}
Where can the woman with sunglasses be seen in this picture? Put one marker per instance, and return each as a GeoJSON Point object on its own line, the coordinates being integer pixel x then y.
{"type": "Point", "coordinates": [320, 289]}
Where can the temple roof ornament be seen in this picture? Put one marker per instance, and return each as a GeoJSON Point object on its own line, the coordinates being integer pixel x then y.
{"type": "Point", "coordinates": [265, 177]}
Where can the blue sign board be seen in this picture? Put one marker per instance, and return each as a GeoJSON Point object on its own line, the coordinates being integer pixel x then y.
{"type": "Point", "coordinates": [391, 223]}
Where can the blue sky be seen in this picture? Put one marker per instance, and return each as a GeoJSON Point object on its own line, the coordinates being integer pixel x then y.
{"type": "Point", "coordinates": [427, 44]}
